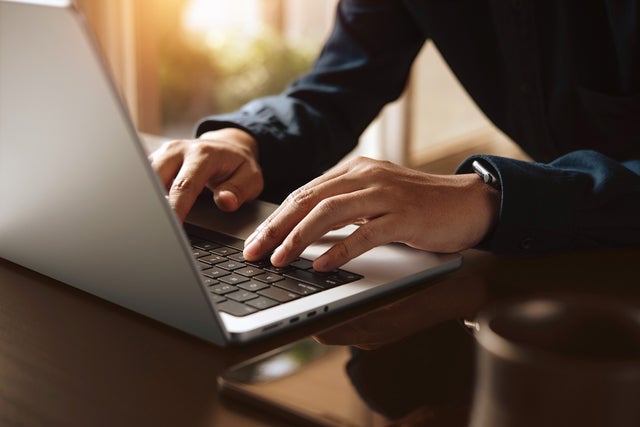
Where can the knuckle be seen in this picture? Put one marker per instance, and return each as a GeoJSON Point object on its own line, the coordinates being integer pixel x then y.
{"type": "Point", "coordinates": [268, 232]}
{"type": "Point", "coordinates": [367, 235]}
{"type": "Point", "coordinates": [301, 198]}
{"type": "Point", "coordinates": [182, 185]}
{"type": "Point", "coordinates": [358, 163]}
{"type": "Point", "coordinates": [328, 207]}
{"type": "Point", "coordinates": [295, 240]}
{"type": "Point", "coordinates": [368, 166]}
{"type": "Point", "coordinates": [173, 146]}
{"type": "Point", "coordinates": [201, 148]}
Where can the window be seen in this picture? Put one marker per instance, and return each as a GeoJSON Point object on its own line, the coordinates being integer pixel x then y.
{"type": "Point", "coordinates": [179, 60]}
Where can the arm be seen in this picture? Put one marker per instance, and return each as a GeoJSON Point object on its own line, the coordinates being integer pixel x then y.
{"type": "Point", "coordinates": [581, 200]}
{"type": "Point", "coordinates": [318, 119]}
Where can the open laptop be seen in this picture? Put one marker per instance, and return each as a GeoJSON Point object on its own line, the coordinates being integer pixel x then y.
{"type": "Point", "coordinates": [80, 202]}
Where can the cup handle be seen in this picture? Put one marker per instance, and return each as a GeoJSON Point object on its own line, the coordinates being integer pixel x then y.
{"type": "Point", "coordinates": [471, 326]}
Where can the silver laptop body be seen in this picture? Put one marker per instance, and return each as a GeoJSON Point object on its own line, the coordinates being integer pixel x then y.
{"type": "Point", "coordinates": [80, 203]}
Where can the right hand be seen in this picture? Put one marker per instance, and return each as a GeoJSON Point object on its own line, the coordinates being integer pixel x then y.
{"type": "Point", "coordinates": [225, 161]}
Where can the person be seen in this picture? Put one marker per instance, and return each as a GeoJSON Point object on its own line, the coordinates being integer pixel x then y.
{"type": "Point", "coordinates": [562, 79]}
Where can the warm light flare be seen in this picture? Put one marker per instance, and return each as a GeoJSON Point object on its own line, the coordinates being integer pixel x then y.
{"type": "Point", "coordinates": [214, 19]}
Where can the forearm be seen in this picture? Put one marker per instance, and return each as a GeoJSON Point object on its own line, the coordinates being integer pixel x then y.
{"type": "Point", "coordinates": [581, 200]}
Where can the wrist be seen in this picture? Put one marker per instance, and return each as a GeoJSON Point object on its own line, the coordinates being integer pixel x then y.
{"type": "Point", "coordinates": [487, 201]}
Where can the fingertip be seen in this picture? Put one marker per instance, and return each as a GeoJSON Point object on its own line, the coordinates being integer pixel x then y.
{"type": "Point", "coordinates": [278, 257]}
{"type": "Point", "coordinates": [226, 200]}
{"type": "Point", "coordinates": [323, 263]}
{"type": "Point", "coordinates": [251, 251]}
{"type": "Point", "coordinates": [180, 212]}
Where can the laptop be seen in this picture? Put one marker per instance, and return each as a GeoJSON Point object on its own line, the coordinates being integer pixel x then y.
{"type": "Point", "coordinates": [81, 204]}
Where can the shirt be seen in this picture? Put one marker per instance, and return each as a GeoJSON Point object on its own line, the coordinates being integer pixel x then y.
{"type": "Point", "coordinates": [561, 78]}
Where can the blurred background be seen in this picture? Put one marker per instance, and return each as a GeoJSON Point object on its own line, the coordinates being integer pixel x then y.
{"type": "Point", "coordinates": [176, 61]}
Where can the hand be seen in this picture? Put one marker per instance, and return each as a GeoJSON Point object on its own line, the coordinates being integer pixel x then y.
{"type": "Point", "coordinates": [452, 298]}
{"type": "Point", "coordinates": [225, 161]}
{"type": "Point", "coordinates": [439, 213]}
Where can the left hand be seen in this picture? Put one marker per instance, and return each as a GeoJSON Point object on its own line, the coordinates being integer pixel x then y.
{"type": "Point", "coordinates": [438, 213]}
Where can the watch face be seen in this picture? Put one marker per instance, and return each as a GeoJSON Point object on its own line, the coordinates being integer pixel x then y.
{"type": "Point", "coordinates": [487, 177]}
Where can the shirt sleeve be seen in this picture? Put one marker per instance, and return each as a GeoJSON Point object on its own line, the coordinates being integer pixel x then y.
{"type": "Point", "coordinates": [318, 119]}
{"type": "Point", "coordinates": [582, 200]}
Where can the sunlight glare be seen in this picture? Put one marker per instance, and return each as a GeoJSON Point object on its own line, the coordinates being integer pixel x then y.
{"type": "Point", "coordinates": [216, 19]}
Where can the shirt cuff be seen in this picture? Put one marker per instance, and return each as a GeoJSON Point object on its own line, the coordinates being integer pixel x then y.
{"type": "Point", "coordinates": [536, 209]}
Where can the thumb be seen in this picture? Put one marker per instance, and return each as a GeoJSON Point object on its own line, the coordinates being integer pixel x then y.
{"type": "Point", "coordinates": [244, 185]}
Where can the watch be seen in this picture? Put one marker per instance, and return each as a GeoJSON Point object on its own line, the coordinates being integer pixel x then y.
{"type": "Point", "coordinates": [487, 177]}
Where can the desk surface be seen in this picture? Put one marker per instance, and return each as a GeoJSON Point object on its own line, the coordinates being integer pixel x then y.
{"type": "Point", "coordinates": [68, 358]}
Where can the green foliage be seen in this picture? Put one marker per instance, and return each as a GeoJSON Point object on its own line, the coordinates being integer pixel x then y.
{"type": "Point", "coordinates": [199, 80]}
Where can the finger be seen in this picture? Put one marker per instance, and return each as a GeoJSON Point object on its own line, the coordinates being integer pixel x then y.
{"type": "Point", "coordinates": [297, 205]}
{"type": "Point", "coordinates": [166, 161]}
{"type": "Point", "coordinates": [305, 193]}
{"type": "Point", "coordinates": [324, 217]}
{"type": "Point", "coordinates": [366, 237]}
{"type": "Point", "coordinates": [187, 185]}
{"type": "Point", "coordinates": [246, 183]}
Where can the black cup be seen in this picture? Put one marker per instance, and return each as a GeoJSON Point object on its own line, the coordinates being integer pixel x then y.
{"type": "Point", "coordinates": [558, 361]}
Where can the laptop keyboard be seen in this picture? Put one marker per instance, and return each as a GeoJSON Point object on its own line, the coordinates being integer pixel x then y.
{"type": "Point", "coordinates": [240, 287]}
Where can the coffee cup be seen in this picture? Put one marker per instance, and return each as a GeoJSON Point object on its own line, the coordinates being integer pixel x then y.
{"type": "Point", "coordinates": [562, 360]}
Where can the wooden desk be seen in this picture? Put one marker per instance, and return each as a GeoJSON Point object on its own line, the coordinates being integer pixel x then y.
{"type": "Point", "coordinates": [70, 359]}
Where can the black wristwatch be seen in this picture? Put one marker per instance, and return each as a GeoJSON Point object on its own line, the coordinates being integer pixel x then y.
{"type": "Point", "coordinates": [487, 177]}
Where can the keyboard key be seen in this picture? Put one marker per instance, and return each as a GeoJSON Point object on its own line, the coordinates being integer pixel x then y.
{"type": "Point", "coordinates": [208, 281]}
{"type": "Point", "coordinates": [222, 288]}
{"type": "Point", "coordinates": [297, 287]}
{"type": "Point", "coordinates": [224, 251]}
{"type": "Point", "coordinates": [205, 245]}
{"type": "Point", "coordinates": [230, 265]}
{"type": "Point", "coordinates": [202, 265]}
{"type": "Point", "coordinates": [233, 279]}
{"type": "Point", "coordinates": [344, 276]}
{"type": "Point", "coordinates": [323, 280]}
{"type": "Point", "coordinates": [252, 286]}
{"type": "Point", "coordinates": [268, 277]}
{"type": "Point", "coordinates": [249, 271]}
{"type": "Point", "coordinates": [262, 303]}
{"type": "Point", "coordinates": [302, 264]}
{"type": "Point", "coordinates": [278, 294]}
{"type": "Point", "coordinates": [197, 253]}
{"type": "Point", "coordinates": [261, 263]}
{"type": "Point", "coordinates": [216, 298]}
{"type": "Point", "coordinates": [215, 272]}
{"type": "Point", "coordinates": [237, 257]}
{"type": "Point", "coordinates": [241, 295]}
{"type": "Point", "coordinates": [235, 308]}
{"type": "Point", "coordinates": [211, 259]}
{"type": "Point", "coordinates": [277, 270]}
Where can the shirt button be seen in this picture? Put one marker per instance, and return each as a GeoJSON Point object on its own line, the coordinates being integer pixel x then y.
{"type": "Point", "coordinates": [526, 243]}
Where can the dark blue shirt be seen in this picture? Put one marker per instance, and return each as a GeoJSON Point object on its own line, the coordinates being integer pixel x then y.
{"type": "Point", "coordinates": [561, 78]}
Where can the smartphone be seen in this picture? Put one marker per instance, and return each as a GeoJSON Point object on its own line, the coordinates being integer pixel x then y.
{"type": "Point", "coordinates": [304, 384]}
